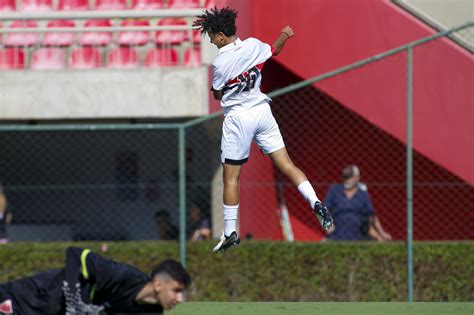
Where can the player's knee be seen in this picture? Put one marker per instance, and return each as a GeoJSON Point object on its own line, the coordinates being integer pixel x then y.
{"type": "Point", "coordinates": [231, 181]}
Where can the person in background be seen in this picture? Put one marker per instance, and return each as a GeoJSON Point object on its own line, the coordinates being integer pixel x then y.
{"type": "Point", "coordinates": [352, 209]}
{"type": "Point", "coordinates": [6, 216]}
{"type": "Point", "coordinates": [200, 226]}
{"type": "Point", "coordinates": [166, 229]}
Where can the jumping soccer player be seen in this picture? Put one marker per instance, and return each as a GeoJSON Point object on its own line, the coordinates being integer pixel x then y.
{"type": "Point", "coordinates": [90, 284]}
{"type": "Point", "coordinates": [236, 83]}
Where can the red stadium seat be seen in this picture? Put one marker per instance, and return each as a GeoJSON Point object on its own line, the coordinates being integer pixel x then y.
{"type": "Point", "coordinates": [171, 37]}
{"type": "Point", "coordinates": [111, 5]}
{"type": "Point", "coordinates": [12, 59]}
{"type": "Point", "coordinates": [210, 4]}
{"type": "Point", "coordinates": [37, 5]}
{"type": "Point", "coordinates": [73, 5]}
{"type": "Point", "coordinates": [123, 57]}
{"type": "Point", "coordinates": [134, 38]}
{"type": "Point", "coordinates": [7, 5]}
{"type": "Point", "coordinates": [85, 58]}
{"type": "Point", "coordinates": [192, 57]}
{"type": "Point", "coordinates": [147, 4]}
{"type": "Point", "coordinates": [96, 38]}
{"type": "Point", "coordinates": [59, 39]}
{"type": "Point", "coordinates": [184, 4]}
{"type": "Point", "coordinates": [22, 39]}
{"type": "Point", "coordinates": [159, 57]}
{"type": "Point", "coordinates": [48, 58]}
{"type": "Point", "coordinates": [196, 37]}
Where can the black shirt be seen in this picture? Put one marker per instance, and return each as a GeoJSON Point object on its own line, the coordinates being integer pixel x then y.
{"type": "Point", "coordinates": [104, 284]}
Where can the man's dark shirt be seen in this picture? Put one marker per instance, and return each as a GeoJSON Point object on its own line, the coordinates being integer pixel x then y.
{"type": "Point", "coordinates": [351, 216]}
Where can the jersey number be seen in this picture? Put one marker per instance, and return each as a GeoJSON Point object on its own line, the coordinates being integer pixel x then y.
{"type": "Point", "coordinates": [248, 82]}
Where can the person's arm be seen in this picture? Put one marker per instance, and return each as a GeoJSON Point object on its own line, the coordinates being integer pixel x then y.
{"type": "Point", "coordinates": [201, 233]}
{"type": "Point", "coordinates": [9, 218]}
{"type": "Point", "coordinates": [286, 33]}
{"type": "Point", "coordinates": [217, 94]}
{"type": "Point", "coordinates": [378, 226]}
{"type": "Point", "coordinates": [330, 203]}
{"type": "Point", "coordinates": [374, 234]}
{"type": "Point", "coordinates": [218, 83]}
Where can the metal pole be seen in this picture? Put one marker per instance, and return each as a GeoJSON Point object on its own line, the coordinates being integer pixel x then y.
{"type": "Point", "coordinates": [410, 173]}
{"type": "Point", "coordinates": [182, 195]}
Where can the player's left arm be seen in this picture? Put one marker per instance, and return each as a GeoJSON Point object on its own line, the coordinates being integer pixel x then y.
{"type": "Point", "coordinates": [286, 33]}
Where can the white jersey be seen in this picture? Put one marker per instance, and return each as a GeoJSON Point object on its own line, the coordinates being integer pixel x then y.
{"type": "Point", "coordinates": [237, 72]}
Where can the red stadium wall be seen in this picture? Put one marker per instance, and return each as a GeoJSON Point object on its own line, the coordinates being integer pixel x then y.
{"type": "Point", "coordinates": [331, 34]}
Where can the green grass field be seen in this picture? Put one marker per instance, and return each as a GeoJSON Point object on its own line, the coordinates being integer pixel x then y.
{"type": "Point", "coordinates": [359, 308]}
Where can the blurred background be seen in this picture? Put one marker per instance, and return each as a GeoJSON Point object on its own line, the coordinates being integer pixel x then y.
{"type": "Point", "coordinates": [108, 131]}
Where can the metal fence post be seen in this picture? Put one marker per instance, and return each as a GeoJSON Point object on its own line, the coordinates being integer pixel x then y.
{"type": "Point", "coordinates": [182, 194]}
{"type": "Point", "coordinates": [410, 173]}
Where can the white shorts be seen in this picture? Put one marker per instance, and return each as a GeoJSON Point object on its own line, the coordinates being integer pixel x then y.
{"type": "Point", "coordinates": [239, 129]}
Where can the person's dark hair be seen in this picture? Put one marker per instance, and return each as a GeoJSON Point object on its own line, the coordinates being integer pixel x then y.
{"type": "Point", "coordinates": [162, 213]}
{"type": "Point", "coordinates": [173, 269]}
{"type": "Point", "coordinates": [215, 21]}
{"type": "Point", "coordinates": [349, 171]}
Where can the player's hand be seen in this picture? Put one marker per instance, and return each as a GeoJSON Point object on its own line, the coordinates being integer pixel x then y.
{"type": "Point", "coordinates": [288, 31]}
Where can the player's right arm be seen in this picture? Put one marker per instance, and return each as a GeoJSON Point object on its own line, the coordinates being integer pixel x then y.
{"type": "Point", "coordinates": [286, 33]}
{"type": "Point", "coordinates": [217, 94]}
{"type": "Point", "coordinates": [218, 83]}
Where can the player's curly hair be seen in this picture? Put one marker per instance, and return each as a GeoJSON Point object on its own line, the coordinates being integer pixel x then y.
{"type": "Point", "coordinates": [215, 21]}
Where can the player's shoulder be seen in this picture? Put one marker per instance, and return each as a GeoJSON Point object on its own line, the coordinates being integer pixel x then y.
{"type": "Point", "coordinates": [255, 42]}
{"type": "Point", "coordinates": [252, 40]}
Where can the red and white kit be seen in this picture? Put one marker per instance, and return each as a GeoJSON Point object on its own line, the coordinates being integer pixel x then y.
{"type": "Point", "coordinates": [237, 73]}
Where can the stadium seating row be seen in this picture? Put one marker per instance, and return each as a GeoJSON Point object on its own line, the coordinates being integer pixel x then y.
{"type": "Point", "coordinates": [91, 57]}
{"type": "Point", "coordinates": [97, 38]}
{"type": "Point", "coordinates": [80, 5]}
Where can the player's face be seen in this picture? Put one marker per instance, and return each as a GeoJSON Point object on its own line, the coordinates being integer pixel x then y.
{"type": "Point", "coordinates": [169, 293]}
{"type": "Point", "coordinates": [217, 39]}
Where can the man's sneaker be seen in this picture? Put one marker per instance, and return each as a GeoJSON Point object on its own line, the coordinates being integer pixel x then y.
{"type": "Point", "coordinates": [322, 213]}
{"type": "Point", "coordinates": [226, 242]}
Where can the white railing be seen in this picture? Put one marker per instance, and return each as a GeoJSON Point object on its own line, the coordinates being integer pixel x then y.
{"type": "Point", "coordinates": [115, 29]}
{"type": "Point", "coordinates": [100, 14]}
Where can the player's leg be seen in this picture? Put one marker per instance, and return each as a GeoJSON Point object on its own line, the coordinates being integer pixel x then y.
{"type": "Point", "coordinates": [282, 161]}
{"type": "Point", "coordinates": [231, 197]}
{"type": "Point", "coordinates": [237, 134]}
{"type": "Point", "coordinates": [271, 142]}
{"type": "Point", "coordinates": [230, 237]}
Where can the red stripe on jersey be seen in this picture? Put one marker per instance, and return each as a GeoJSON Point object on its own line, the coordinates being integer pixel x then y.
{"type": "Point", "coordinates": [245, 74]}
